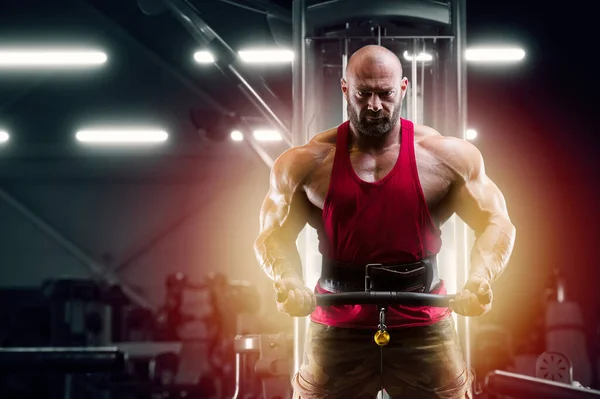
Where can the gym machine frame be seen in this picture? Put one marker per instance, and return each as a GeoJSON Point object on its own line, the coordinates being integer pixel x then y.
{"type": "Point", "coordinates": [306, 20]}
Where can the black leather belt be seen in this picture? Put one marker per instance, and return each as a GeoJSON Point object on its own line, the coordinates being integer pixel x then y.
{"type": "Point", "coordinates": [419, 276]}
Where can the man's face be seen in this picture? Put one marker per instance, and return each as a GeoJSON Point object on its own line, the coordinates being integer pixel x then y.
{"type": "Point", "coordinates": [374, 96]}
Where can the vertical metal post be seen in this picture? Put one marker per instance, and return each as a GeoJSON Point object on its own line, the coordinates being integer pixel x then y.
{"type": "Point", "coordinates": [299, 137]}
{"type": "Point", "coordinates": [459, 26]}
{"type": "Point", "coordinates": [299, 134]}
{"type": "Point", "coordinates": [422, 98]}
{"type": "Point", "coordinates": [414, 78]}
{"type": "Point", "coordinates": [344, 66]}
{"type": "Point", "coordinates": [436, 98]}
{"type": "Point", "coordinates": [461, 66]}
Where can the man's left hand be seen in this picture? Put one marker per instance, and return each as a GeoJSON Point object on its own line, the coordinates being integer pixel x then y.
{"type": "Point", "coordinates": [475, 299]}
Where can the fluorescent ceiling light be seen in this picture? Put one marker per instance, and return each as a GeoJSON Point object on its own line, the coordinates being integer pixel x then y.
{"type": "Point", "coordinates": [267, 56]}
{"type": "Point", "coordinates": [44, 58]}
{"type": "Point", "coordinates": [236, 135]}
{"type": "Point", "coordinates": [471, 134]}
{"type": "Point", "coordinates": [251, 56]}
{"type": "Point", "coordinates": [495, 54]}
{"type": "Point", "coordinates": [267, 135]}
{"type": "Point", "coordinates": [204, 57]}
{"type": "Point", "coordinates": [121, 136]}
{"type": "Point", "coordinates": [420, 57]}
{"type": "Point", "coordinates": [4, 136]}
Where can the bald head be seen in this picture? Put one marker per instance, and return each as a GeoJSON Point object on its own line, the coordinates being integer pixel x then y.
{"type": "Point", "coordinates": [374, 89]}
{"type": "Point", "coordinates": [371, 59]}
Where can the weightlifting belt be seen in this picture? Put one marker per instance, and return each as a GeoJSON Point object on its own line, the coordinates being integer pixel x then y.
{"type": "Point", "coordinates": [419, 276]}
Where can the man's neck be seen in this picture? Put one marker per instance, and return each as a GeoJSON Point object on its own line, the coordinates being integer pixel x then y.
{"type": "Point", "coordinates": [374, 144]}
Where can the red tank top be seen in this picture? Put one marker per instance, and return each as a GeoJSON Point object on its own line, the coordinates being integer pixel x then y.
{"type": "Point", "coordinates": [386, 221]}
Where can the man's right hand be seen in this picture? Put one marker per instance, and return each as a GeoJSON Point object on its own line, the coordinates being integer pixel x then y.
{"type": "Point", "coordinates": [294, 297]}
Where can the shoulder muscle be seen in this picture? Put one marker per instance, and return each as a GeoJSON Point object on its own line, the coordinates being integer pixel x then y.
{"type": "Point", "coordinates": [460, 156]}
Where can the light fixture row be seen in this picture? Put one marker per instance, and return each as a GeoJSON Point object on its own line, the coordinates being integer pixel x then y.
{"type": "Point", "coordinates": [63, 58]}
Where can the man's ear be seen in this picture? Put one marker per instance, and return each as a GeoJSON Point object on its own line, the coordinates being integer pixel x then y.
{"type": "Point", "coordinates": [344, 85]}
{"type": "Point", "coordinates": [404, 87]}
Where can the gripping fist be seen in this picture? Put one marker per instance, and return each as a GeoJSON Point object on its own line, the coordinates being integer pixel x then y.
{"type": "Point", "coordinates": [475, 299]}
{"type": "Point", "coordinates": [293, 297]}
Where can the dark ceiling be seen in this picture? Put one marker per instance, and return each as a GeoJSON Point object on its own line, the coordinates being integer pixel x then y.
{"type": "Point", "coordinates": [150, 77]}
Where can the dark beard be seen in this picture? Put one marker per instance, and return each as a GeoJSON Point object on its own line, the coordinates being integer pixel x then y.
{"type": "Point", "coordinates": [374, 128]}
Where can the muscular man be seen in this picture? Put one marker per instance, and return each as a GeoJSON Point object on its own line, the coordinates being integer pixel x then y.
{"type": "Point", "coordinates": [377, 188]}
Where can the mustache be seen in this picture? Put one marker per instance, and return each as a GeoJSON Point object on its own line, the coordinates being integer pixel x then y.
{"type": "Point", "coordinates": [380, 114]}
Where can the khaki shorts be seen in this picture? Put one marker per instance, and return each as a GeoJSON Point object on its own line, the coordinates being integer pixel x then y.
{"type": "Point", "coordinates": [418, 363]}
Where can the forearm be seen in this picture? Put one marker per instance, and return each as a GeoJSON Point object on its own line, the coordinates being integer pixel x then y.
{"type": "Point", "coordinates": [492, 249]}
{"type": "Point", "coordinates": [277, 257]}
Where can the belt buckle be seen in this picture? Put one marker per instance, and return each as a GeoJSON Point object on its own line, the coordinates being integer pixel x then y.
{"type": "Point", "coordinates": [368, 277]}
